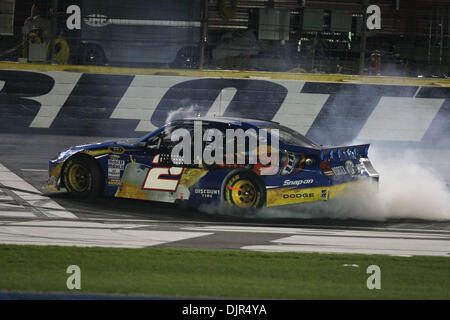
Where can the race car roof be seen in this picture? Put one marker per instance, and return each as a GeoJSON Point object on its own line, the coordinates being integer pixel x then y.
{"type": "Point", "coordinates": [230, 120]}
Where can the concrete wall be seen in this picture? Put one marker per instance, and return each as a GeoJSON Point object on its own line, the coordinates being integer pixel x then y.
{"type": "Point", "coordinates": [56, 102]}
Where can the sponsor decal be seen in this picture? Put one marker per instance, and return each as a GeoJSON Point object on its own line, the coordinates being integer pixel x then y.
{"type": "Point", "coordinates": [117, 149]}
{"type": "Point", "coordinates": [207, 193]}
{"type": "Point", "coordinates": [290, 183]}
{"type": "Point", "coordinates": [288, 164]}
{"type": "Point", "coordinates": [324, 194]}
{"type": "Point", "coordinates": [115, 168]}
{"type": "Point", "coordinates": [96, 20]}
{"type": "Point", "coordinates": [114, 176]}
{"type": "Point", "coordinates": [298, 195]}
{"type": "Point", "coordinates": [114, 173]}
{"type": "Point", "coordinates": [290, 195]}
{"type": "Point", "coordinates": [115, 182]}
{"type": "Point", "coordinates": [116, 164]}
{"type": "Point", "coordinates": [101, 20]}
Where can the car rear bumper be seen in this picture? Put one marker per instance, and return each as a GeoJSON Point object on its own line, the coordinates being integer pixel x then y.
{"type": "Point", "coordinates": [365, 186]}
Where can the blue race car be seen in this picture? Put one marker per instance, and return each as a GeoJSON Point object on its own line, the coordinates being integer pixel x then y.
{"type": "Point", "coordinates": [145, 168]}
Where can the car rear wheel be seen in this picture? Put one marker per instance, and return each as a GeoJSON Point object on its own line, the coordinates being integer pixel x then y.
{"type": "Point", "coordinates": [244, 191]}
{"type": "Point", "coordinates": [82, 177]}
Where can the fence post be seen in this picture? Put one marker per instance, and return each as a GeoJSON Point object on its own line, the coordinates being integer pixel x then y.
{"type": "Point", "coordinates": [53, 30]}
{"type": "Point", "coordinates": [362, 53]}
{"type": "Point", "coordinates": [204, 33]}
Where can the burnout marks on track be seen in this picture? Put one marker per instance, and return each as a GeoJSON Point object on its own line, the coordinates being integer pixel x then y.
{"type": "Point", "coordinates": [19, 199]}
{"type": "Point", "coordinates": [10, 207]}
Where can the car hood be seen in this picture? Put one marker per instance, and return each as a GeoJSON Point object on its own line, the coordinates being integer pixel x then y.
{"type": "Point", "coordinates": [95, 146]}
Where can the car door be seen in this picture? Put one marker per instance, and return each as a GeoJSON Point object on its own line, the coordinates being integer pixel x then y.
{"type": "Point", "coordinates": [150, 174]}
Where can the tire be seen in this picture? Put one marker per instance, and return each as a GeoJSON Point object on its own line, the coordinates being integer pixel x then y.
{"type": "Point", "coordinates": [187, 58]}
{"type": "Point", "coordinates": [93, 54]}
{"type": "Point", "coordinates": [82, 177]}
{"type": "Point", "coordinates": [244, 190]}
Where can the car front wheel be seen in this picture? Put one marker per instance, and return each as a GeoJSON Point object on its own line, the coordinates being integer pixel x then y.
{"type": "Point", "coordinates": [82, 177]}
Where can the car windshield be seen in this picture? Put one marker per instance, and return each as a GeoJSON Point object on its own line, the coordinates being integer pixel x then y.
{"type": "Point", "coordinates": [128, 140]}
{"type": "Point", "coordinates": [290, 136]}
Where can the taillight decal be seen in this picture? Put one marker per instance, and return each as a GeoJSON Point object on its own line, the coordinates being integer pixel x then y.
{"type": "Point", "coordinates": [326, 168]}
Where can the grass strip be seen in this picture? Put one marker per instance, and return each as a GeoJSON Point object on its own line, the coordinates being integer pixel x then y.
{"type": "Point", "coordinates": [162, 272]}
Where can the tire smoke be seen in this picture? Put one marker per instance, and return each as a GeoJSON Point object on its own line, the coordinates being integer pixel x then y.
{"type": "Point", "coordinates": [182, 113]}
{"type": "Point", "coordinates": [407, 190]}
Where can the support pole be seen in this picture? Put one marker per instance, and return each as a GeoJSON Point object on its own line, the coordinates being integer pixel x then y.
{"type": "Point", "coordinates": [362, 53]}
{"type": "Point", "coordinates": [204, 33]}
{"type": "Point", "coordinates": [53, 30]}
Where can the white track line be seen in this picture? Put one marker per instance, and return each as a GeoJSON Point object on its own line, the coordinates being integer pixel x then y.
{"type": "Point", "coordinates": [335, 231]}
{"type": "Point", "coordinates": [343, 240]}
{"type": "Point", "coordinates": [32, 196]}
{"type": "Point", "coordinates": [389, 243]}
{"type": "Point", "coordinates": [75, 233]}
{"type": "Point", "coordinates": [15, 214]}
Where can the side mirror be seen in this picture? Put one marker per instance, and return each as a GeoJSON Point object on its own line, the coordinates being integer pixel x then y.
{"type": "Point", "coordinates": [151, 143]}
{"type": "Point", "coordinates": [154, 143]}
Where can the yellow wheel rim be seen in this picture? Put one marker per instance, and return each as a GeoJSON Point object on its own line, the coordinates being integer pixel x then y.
{"type": "Point", "coordinates": [243, 194]}
{"type": "Point", "coordinates": [78, 177]}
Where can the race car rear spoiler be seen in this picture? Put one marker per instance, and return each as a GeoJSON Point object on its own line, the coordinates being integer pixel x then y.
{"type": "Point", "coordinates": [347, 152]}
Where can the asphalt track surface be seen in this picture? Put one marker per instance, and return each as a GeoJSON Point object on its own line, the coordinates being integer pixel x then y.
{"type": "Point", "coordinates": [29, 217]}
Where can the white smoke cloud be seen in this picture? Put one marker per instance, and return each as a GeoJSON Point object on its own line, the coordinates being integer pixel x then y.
{"type": "Point", "coordinates": [407, 190]}
{"type": "Point", "coordinates": [413, 192]}
{"type": "Point", "coordinates": [182, 113]}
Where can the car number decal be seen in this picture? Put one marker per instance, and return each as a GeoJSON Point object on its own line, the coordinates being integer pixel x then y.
{"type": "Point", "coordinates": [153, 181]}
